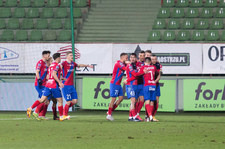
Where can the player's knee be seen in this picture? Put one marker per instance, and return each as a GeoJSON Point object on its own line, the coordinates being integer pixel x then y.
{"type": "Point", "coordinates": [74, 101]}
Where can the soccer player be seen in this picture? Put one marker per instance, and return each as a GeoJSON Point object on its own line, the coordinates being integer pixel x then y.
{"type": "Point", "coordinates": [139, 104]}
{"type": "Point", "coordinates": [158, 72]}
{"type": "Point", "coordinates": [148, 71]}
{"type": "Point", "coordinates": [115, 85]}
{"type": "Point", "coordinates": [41, 73]}
{"type": "Point", "coordinates": [52, 86]}
{"type": "Point", "coordinates": [148, 53]}
{"type": "Point", "coordinates": [131, 87]}
{"type": "Point", "coordinates": [42, 108]}
{"type": "Point", "coordinates": [69, 92]}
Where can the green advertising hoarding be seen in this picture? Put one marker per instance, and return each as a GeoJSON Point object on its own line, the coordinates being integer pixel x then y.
{"type": "Point", "coordinates": [96, 95]}
{"type": "Point", "coordinates": [204, 94]}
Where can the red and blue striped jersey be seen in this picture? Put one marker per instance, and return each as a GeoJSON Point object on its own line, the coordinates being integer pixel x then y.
{"type": "Point", "coordinates": [118, 72]}
{"type": "Point", "coordinates": [42, 67]}
{"type": "Point", "coordinates": [140, 79]}
{"type": "Point", "coordinates": [149, 78]}
{"type": "Point", "coordinates": [51, 83]}
{"type": "Point", "coordinates": [130, 73]}
{"type": "Point", "coordinates": [68, 71]}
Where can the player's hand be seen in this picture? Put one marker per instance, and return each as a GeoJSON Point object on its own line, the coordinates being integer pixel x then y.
{"type": "Point", "coordinates": [40, 82]}
{"type": "Point", "coordinates": [64, 79]}
{"type": "Point", "coordinates": [61, 85]}
{"type": "Point", "coordinates": [125, 81]}
{"type": "Point", "coordinates": [91, 66]}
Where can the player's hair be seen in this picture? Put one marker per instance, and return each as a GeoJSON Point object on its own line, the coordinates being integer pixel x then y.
{"type": "Point", "coordinates": [46, 52]}
{"type": "Point", "coordinates": [153, 55]}
{"type": "Point", "coordinates": [147, 59]}
{"type": "Point", "coordinates": [56, 55]}
{"type": "Point", "coordinates": [148, 51]}
{"type": "Point", "coordinates": [67, 53]}
{"type": "Point", "coordinates": [133, 54]}
{"type": "Point", "coordinates": [142, 52]}
{"type": "Point", "coordinates": [123, 54]}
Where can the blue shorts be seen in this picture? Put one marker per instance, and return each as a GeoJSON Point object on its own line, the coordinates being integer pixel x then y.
{"type": "Point", "coordinates": [69, 92]}
{"type": "Point", "coordinates": [140, 90]}
{"type": "Point", "coordinates": [131, 91]}
{"type": "Point", "coordinates": [39, 90]}
{"type": "Point", "coordinates": [115, 90]}
{"type": "Point", "coordinates": [52, 92]}
{"type": "Point", "coordinates": [149, 93]}
{"type": "Point", "coordinates": [157, 91]}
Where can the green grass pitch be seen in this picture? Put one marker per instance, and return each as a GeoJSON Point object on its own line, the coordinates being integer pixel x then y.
{"type": "Point", "coordinates": [89, 129]}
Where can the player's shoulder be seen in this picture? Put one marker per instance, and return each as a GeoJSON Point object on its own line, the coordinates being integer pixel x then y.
{"type": "Point", "coordinates": [40, 61]}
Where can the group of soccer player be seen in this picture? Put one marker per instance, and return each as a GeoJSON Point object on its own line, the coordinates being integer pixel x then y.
{"type": "Point", "coordinates": [50, 77]}
{"type": "Point", "coordinates": [142, 85]}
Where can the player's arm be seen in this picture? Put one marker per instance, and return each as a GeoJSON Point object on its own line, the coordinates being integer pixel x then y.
{"type": "Point", "coordinates": [47, 77]}
{"type": "Point", "coordinates": [83, 65]}
{"type": "Point", "coordinates": [37, 73]}
{"type": "Point", "coordinates": [57, 79]}
{"type": "Point", "coordinates": [40, 82]}
{"type": "Point", "coordinates": [158, 78]}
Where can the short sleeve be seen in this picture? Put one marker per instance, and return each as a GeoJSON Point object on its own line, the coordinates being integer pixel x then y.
{"type": "Point", "coordinates": [75, 65]}
{"type": "Point", "coordinates": [56, 68]}
{"type": "Point", "coordinates": [38, 66]}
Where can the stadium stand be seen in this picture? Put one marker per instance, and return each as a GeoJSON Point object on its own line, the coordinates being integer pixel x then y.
{"type": "Point", "coordinates": [189, 21]}
{"type": "Point", "coordinates": [40, 20]}
{"type": "Point", "coordinates": [119, 21]}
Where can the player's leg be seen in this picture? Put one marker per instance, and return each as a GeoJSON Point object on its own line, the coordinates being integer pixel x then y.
{"type": "Point", "coordinates": [120, 99]}
{"type": "Point", "coordinates": [56, 93]}
{"type": "Point", "coordinates": [44, 110]}
{"type": "Point", "coordinates": [140, 101]}
{"type": "Point", "coordinates": [39, 89]}
{"type": "Point", "coordinates": [54, 111]}
{"type": "Point", "coordinates": [113, 94]}
{"type": "Point", "coordinates": [148, 105]}
{"type": "Point", "coordinates": [42, 100]}
{"type": "Point", "coordinates": [131, 96]}
{"type": "Point", "coordinates": [156, 105]}
{"type": "Point", "coordinates": [70, 95]}
{"type": "Point", "coordinates": [152, 99]}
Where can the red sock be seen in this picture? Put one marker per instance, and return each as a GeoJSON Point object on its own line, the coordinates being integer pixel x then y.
{"type": "Point", "coordinates": [140, 105]}
{"type": "Point", "coordinates": [60, 108]}
{"type": "Point", "coordinates": [133, 112]}
{"type": "Point", "coordinates": [110, 111]}
{"type": "Point", "coordinates": [44, 110]}
{"type": "Point", "coordinates": [151, 109]}
{"type": "Point", "coordinates": [54, 111]}
{"type": "Point", "coordinates": [155, 108]}
{"type": "Point", "coordinates": [39, 108]}
{"type": "Point", "coordinates": [66, 109]}
{"type": "Point", "coordinates": [136, 107]}
{"type": "Point", "coordinates": [130, 114]}
{"type": "Point", "coordinates": [147, 106]}
{"type": "Point", "coordinates": [71, 104]}
{"type": "Point", "coordinates": [114, 107]}
{"type": "Point", "coordinates": [36, 103]}
{"type": "Point", "coordinates": [146, 113]}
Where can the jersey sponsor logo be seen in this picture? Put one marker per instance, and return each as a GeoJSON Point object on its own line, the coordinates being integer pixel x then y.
{"type": "Point", "coordinates": [6, 54]}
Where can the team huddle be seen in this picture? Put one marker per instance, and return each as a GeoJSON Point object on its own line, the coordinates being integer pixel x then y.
{"type": "Point", "coordinates": [50, 77]}
{"type": "Point", "coordinates": [142, 85]}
